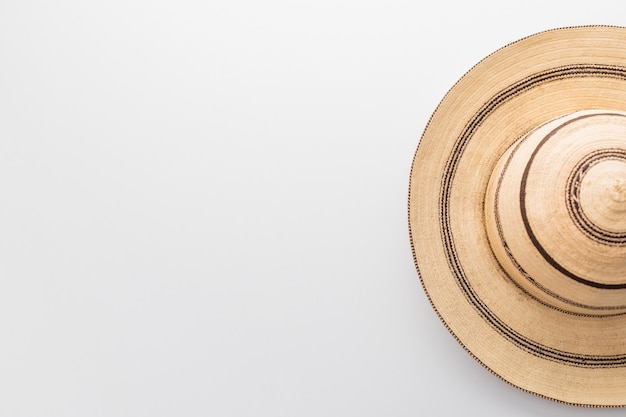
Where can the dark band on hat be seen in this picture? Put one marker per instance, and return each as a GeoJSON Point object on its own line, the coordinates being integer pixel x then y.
{"type": "Point", "coordinates": [575, 209]}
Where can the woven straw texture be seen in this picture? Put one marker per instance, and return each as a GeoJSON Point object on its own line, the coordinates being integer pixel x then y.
{"type": "Point", "coordinates": [517, 214]}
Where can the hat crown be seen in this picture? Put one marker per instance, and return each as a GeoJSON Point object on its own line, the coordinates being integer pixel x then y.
{"type": "Point", "coordinates": [603, 195]}
{"type": "Point", "coordinates": [556, 212]}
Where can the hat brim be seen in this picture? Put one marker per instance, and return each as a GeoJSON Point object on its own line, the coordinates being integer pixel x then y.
{"type": "Point", "coordinates": [572, 358]}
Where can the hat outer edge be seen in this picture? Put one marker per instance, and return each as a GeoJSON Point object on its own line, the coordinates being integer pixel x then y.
{"type": "Point", "coordinates": [411, 231]}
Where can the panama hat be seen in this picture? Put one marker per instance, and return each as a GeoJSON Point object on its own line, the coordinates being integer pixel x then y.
{"type": "Point", "coordinates": [517, 214]}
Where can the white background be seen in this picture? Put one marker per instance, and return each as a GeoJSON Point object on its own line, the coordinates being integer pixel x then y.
{"type": "Point", "coordinates": [203, 206]}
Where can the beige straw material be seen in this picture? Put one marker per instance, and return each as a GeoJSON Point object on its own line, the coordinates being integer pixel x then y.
{"type": "Point", "coordinates": [517, 214]}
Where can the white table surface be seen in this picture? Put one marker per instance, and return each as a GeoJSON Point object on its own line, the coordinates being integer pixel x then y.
{"type": "Point", "coordinates": [203, 206]}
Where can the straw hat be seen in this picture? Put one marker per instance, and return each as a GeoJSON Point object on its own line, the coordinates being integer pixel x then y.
{"type": "Point", "coordinates": [517, 214]}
